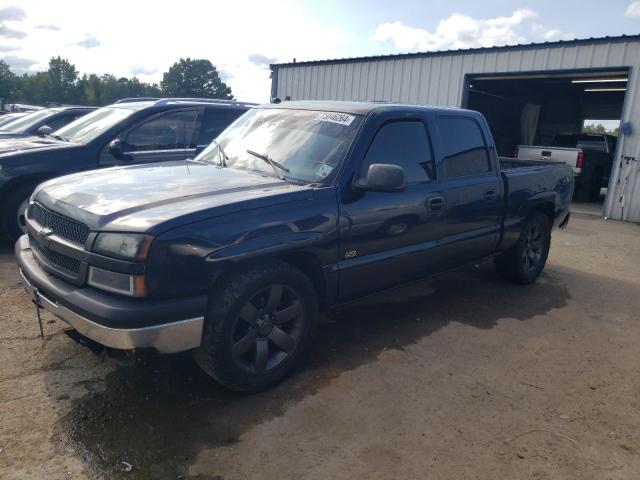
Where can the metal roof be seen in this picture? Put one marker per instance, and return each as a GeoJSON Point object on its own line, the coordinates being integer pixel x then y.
{"type": "Point", "coordinates": [462, 51]}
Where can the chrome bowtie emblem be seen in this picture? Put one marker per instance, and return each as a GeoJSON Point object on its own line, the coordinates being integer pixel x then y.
{"type": "Point", "coordinates": [44, 231]}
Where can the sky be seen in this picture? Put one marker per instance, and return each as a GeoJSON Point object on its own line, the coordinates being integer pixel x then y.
{"type": "Point", "coordinates": [241, 37]}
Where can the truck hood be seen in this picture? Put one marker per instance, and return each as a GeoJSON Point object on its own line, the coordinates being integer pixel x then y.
{"type": "Point", "coordinates": [9, 145]}
{"type": "Point", "coordinates": [154, 198]}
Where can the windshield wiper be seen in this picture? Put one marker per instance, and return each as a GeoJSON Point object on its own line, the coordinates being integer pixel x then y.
{"type": "Point", "coordinates": [275, 165]}
{"type": "Point", "coordinates": [223, 156]}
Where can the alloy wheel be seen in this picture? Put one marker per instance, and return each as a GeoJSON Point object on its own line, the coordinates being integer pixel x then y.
{"type": "Point", "coordinates": [268, 329]}
{"type": "Point", "coordinates": [534, 245]}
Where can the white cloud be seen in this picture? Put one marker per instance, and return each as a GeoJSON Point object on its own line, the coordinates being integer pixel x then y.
{"type": "Point", "coordinates": [19, 65]}
{"type": "Point", "coordinates": [143, 69]}
{"type": "Point", "coordinates": [48, 26]}
{"type": "Point", "coordinates": [7, 32]}
{"type": "Point", "coordinates": [225, 38]}
{"type": "Point", "coordinates": [261, 60]}
{"type": "Point", "coordinates": [12, 13]}
{"type": "Point", "coordinates": [552, 33]}
{"type": "Point", "coordinates": [89, 41]}
{"type": "Point", "coordinates": [633, 9]}
{"type": "Point", "coordinates": [457, 31]}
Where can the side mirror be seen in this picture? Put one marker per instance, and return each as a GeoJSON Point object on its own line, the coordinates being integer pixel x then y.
{"type": "Point", "coordinates": [44, 130]}
{"type": "Point", "coordinates": [382, 177]}
{"type": "Point", "coordinates": [117, 149]}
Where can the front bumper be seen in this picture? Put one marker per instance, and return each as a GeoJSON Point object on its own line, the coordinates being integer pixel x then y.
{"type": "Point", "coordinates": [123, 323]}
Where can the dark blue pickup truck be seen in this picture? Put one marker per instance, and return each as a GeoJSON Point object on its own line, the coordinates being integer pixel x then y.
{"type": "Point", "coordinates": [296, 208]}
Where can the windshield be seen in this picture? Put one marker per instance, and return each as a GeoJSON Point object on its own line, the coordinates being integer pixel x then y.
{"type": "Point", "coordinates": [22, 124]}
{"type": "Point", "coordinates": [93, 124]}
{"type": "Point", "coordinates": [8, 118]}
{"type": "Point", "coordinates": [308, 144]}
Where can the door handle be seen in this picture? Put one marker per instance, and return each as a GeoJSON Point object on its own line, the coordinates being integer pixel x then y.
{"type": "Point", "coordinates": [435, 203]}
{"type": "Point", "coordinates": [490, 195]}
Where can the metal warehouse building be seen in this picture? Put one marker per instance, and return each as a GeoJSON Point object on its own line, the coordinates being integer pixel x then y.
{"type": "Point", "coordinates": [529, 93]}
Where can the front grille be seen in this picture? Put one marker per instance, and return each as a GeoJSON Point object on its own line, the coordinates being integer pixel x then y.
{"type": "Point", "coordinates": [60, 225]}
{"type": "Point", "coordinates": [56, 260]}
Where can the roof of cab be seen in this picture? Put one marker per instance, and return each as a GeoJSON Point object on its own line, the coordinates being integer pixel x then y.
{"type": "Point", "coordinates": [355, 108]}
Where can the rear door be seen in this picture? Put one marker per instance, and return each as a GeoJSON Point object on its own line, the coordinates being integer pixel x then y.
{"type": "Point", "coordinates": [472, 188]}
{"type": "Point", "coordinates": [390, 238]}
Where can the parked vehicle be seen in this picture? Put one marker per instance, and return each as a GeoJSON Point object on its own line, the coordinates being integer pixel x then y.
{"type": "Point", "coordinates": [123, 133]}
{"type": "Point", "coordinates": [295, 208]}
{"type": "Point", "coordinates": [7, 118]}
{"type": "Point", "coordinates": [42, 122]}
{"type": "Point", "coordinates": [590, 155]}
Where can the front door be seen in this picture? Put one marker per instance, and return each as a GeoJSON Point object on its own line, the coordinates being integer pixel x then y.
{"type": "Point", "coordinates": [165, 137]}
{"type": "Point", "coordinates": [390, 238]}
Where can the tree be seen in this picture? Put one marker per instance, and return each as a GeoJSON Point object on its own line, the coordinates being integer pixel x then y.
{"type": "Point", "coordinates": [63, 80]}
{"type": "Point", "coordinates": [599, 128]}
{"type": "Point", "coordinates": [194, 78]}
{"type": "Point", "coordinates": [7, 81]}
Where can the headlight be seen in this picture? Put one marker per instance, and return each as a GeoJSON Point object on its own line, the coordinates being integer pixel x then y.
{"type": "Point", "coordinates": [125, 284]}
{"type": "Point", "coordinates": [131, 246]}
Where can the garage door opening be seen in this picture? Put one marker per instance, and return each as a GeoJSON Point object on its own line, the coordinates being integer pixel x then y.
{"type": "Point", "coordinates": [556, 113]}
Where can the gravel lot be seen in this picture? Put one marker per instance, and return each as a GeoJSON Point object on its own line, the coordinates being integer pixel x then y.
{"type": "Point", "coordinates": [462, 376]}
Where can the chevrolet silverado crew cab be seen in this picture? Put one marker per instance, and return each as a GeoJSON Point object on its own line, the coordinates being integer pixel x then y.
{"type": "Point", "coordinates": [295, 208]}
{"type": "Point", "coordinates": [127, 132]}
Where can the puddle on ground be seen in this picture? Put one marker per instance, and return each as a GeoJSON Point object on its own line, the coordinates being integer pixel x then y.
{"type": "Point", "coordinates": [157, 412]}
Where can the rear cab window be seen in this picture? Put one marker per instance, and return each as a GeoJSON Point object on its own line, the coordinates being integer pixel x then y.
{"type": "Point", "coordinates": [465, 150]}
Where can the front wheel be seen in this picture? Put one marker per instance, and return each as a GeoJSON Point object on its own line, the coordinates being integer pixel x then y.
{"type": "Point", "coordinates": [260, 323]}
{"type": "Point", "coordinates": [524, 262]}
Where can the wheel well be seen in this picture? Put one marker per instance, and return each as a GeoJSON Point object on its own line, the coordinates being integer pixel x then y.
{"type": "Point", "coordinates": [546, 209]}
{"type": "Point", "coordinates": [310, 266]}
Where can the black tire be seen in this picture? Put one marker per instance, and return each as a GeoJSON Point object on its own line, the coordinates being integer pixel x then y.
{"type": "Point", "coordinates": [595, 186]}
{"type": "Point", "coordinates": [242, 323]}
{"type": "Point", "coordinates": [524, 262]}
{"type": "Point", "coordinates": [12, 202]}
{"type": "Point", "coordinates": [582, 192]}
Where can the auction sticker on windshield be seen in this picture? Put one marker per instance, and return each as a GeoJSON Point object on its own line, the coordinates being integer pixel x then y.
{"type": "Point", "coordinates": [324, 170]}
{"type": "Point", "coordinates": [335, 117]}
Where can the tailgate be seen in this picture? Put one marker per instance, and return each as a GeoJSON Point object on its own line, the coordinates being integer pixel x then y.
{"type": "Point", "coordinates": [568, 156]}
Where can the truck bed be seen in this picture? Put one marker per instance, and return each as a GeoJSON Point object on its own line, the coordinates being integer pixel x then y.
{"type": "Point", "coordinates": [529, 182]}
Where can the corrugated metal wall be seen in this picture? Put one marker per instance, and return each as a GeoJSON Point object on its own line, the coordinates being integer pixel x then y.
{"type": "Point", "coordinates": [438, 79]}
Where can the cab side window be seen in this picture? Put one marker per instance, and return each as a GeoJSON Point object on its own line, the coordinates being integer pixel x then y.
{"type": "Point", "coordinates": [465, 151]}
{"type": "Point", "coordinates": [173, 130]}
{"type": "Point", "coordinates": [405, 144]}
{"type": "Point", "coordinates": [62, 120]}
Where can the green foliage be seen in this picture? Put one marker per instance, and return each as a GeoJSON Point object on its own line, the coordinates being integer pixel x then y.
{"type": "Point", "coordinates": [61, 83]}
{"type": "Point", "coordinates": [600, 129]}
{"type": "Point", "coordinates": [194, 78]}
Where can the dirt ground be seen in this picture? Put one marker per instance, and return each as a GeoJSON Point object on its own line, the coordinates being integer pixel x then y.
{"type": "Point", "coordinates": [462, 376]}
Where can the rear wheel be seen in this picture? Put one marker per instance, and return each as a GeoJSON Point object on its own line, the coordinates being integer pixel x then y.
{"type": "Point", "coordinates": [259, 325]}
{"type": "Point", "coordinates": [524, 262]}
